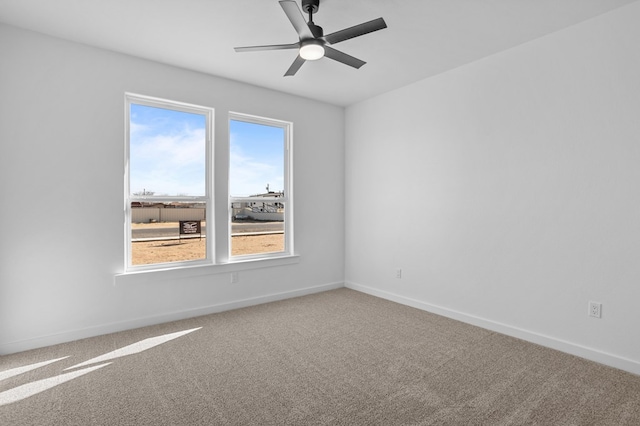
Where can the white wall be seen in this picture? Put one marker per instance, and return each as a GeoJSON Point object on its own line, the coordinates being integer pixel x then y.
{"type": "Point", "coordinates": [61, 139]}
{"type": "Point", "coordinates": [508, 191]}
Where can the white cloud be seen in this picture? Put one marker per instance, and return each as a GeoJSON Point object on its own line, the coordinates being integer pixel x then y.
{"type": "Point", "coordinates": [169, 164]}
{"type": "Point", "coordinates": [249, 176]}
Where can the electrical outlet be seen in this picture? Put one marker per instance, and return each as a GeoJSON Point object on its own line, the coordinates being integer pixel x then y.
{"type": "Point", "coordinates": [234, 278]}
{"type": "Point", "coordinates": [398, 273]}
{"type": "Point", "coordinates": [595, 309]}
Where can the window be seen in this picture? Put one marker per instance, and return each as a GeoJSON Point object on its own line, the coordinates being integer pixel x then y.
{"type": "Point", "coordinates": [259, 187]}
{"type": "Point", "coordinates": [167, 183]}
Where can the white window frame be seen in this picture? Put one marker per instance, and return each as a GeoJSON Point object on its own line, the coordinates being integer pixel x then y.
{"type": "Point", "coordinates": [286, 199]}
{"type": "Point", "coordinates": [207, 198]}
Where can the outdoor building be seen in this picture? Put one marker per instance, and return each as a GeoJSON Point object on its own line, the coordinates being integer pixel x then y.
{"type": "Point", "coordinates": [256, 210]}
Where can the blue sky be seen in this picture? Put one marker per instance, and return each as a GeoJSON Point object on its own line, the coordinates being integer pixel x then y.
{"type": "Point", "coordinates": [167, 151]}
{"type": "Point", "coordinates": [167, 154]}
{"type": "Point", "coordinates": [256, 158]}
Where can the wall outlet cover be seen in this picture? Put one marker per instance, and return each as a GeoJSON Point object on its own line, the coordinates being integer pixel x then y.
{"type": "Point", "coordinates": [595, 309]}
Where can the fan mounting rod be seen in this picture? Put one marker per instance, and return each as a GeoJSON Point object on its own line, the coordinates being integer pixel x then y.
{"type": "Point", "coordinates": [310, 6]}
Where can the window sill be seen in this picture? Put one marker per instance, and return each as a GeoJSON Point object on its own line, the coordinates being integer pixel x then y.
{"type": "Point", "coordinates": [202, 270]}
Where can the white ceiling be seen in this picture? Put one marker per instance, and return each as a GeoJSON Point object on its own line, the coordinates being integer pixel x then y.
{"type": "Point", "coordinates": [423, 38]}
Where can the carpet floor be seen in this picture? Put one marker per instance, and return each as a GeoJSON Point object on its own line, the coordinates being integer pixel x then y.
{"type": "Point", "coordinates": [334, 358]}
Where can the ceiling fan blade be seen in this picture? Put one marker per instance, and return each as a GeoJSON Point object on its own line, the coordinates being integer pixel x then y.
{"type": "Point", "coordinates": [358, 30]}
{"type": "Point", "coordinates": [336, 55]}
{"type": "Point", "coordinates": [295, 66]}
{"type": "Point", "coordinates": [294, 14]}
{"type": "Point", "coordinates": [268, 47]}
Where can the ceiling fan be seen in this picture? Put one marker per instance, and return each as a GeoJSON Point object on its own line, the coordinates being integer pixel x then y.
{"type": "Point", "coordinates": [313, 43]}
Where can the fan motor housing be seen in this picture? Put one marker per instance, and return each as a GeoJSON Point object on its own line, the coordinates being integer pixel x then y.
{"type": "Point", "coordinates": [310, 4]}
{"type": "Point", "coordinates": [315, 30]}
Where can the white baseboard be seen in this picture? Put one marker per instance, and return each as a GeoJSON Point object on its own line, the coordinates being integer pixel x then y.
{"type": "Point", "coordinates": [71, 335]}
{"type": "Point", "coordinates": [571, 348]}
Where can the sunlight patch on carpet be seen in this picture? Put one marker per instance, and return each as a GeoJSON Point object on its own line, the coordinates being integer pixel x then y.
{"type": "Point", "coordinates": [19, 370]}
{"type": "Point", "coordinates": [33, 388]}
{"type": "Point", "coordinates": [135, 348]}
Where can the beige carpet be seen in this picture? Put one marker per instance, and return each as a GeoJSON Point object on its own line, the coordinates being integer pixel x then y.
{"type": "Point", "coordinates": [334, 358]}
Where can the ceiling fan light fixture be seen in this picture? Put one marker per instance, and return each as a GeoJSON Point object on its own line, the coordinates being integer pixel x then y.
{"type": "Point", "coordinates": [312, 43]}
{"type": "Point", "coordinates": [311, 50]}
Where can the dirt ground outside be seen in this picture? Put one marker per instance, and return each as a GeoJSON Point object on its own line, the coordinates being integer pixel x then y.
{"type": "Point", "coordinates": [163, 251]}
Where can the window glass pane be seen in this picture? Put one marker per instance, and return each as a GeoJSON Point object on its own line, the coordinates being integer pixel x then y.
{"type": "Point", "coordinates": [257, 228]}
{"type": "Point", "coordinates": [257, 159]}
{"type": "Point", "coordinates": [167, 152]}
{"type": "Point", "coordinates": [167, 232]}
